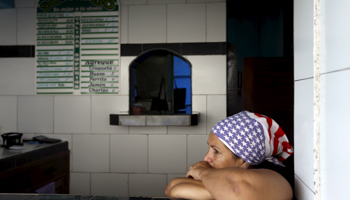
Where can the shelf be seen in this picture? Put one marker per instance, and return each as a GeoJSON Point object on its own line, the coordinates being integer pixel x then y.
{"type": "Point", "coordinates": [154, 120]}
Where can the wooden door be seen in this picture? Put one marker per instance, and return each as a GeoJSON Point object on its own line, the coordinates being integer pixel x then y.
{"type": "Point", "coordinates": [268, 89]}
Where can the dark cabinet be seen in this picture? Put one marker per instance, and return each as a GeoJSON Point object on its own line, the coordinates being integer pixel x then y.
{"type": "Point", "coordinates": [32, 170]}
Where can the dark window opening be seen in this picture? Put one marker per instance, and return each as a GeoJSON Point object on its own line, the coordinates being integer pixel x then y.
{"type": "Point", "coordinates": [160, 83]}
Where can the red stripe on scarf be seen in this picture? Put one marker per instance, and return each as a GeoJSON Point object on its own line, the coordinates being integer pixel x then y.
{"type": "Point", "coordinates": [279, 133]}
{"type": "Point", "coordinates": [286, 146]}
{"type": "Point", "coordinates": [281, 159]}
{"type": "Point", "coordinates": [269, 122]}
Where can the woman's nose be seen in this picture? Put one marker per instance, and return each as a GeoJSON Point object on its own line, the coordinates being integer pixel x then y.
{"type": "Point", "coordinates": [207, 158]}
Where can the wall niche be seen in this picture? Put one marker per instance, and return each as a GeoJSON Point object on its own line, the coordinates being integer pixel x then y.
{"type": "Point", "coordinates": [160, 91]}
{"type": "Point", "coordinates": [160, 84]}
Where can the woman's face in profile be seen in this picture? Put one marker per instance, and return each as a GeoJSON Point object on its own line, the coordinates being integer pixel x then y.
{"type": "Point", "coordinates": [219, 156]}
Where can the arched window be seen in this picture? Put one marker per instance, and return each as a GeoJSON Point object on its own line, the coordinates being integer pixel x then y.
{"type": "Point", "coordinates": [160, 84]}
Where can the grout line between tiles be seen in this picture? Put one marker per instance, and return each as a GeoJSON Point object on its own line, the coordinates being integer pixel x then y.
{"type": "Point", "coordinates": [90, 182]}
{"type": "Point", "coordinates": [128, 30]}
{"type": "Point", "coordinates": [128, 185]}
{"type": "Point", "coordinates": [17, 113]}
{"type": "Point", "coordinates": [16, 25]}
{"type": "Point", "coordinates": [304, 183]}
{"type": "Point", "coordinates": [53, 113]}
{"type": "Point", "coordinates": [110, 155]}
{"type": "Point", "coordinates": [186, 153]}
{"type": "Point", "coordinates": [303, 79]}
{"type": "Point", "coordinates": [335, 71]}
{"type": "Point", "coordinates": [206, 118]}
{"type": "Point", "coordinates": [148, 153]}
{"type": "Point", "coordinates": [166, 23]}
{"type": "Point", "coordinates": [90, 114]}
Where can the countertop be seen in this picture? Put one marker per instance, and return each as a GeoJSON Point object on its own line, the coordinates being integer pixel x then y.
{"type": "Point", "coordinates": [72, 197]}
{"type": "Point", "coordinates": [14, 158]}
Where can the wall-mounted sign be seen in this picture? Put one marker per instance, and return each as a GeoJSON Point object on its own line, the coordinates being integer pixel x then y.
{"type": "Point", "coordinates": [78, 47]}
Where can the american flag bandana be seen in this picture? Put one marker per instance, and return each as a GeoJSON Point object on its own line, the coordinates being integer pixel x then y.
{"type": "Point", "coordinates": [254, 138]}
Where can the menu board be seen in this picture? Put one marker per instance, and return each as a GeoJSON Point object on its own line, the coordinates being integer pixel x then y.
{"type": "Point", "coordinates": [78, 47]}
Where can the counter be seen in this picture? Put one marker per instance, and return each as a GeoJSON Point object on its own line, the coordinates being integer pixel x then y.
{"type": "Point", "coordinates": [37, 165]}
{"type": "Point", "coordinates": [73, 197]}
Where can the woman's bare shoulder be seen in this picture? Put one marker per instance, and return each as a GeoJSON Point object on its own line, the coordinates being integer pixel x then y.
{"type": "Point", "coordinates": [268, 184]}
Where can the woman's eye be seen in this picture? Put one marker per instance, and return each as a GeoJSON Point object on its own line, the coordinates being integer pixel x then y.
{"type": "Point", "coordinates": [216, 151]}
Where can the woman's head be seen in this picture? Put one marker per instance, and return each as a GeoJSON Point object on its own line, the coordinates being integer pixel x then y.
{"type": "Point", "coordinates": [252, 137]}
{"type": "Point", "coordinates": [219, 156]}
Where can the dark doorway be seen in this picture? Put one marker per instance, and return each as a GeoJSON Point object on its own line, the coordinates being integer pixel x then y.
{"type": "Point", "coordinates": [259, 44]}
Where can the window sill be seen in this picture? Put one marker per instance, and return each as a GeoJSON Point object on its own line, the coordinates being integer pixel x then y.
{"type": "Point", "coordinates": [154, 120]}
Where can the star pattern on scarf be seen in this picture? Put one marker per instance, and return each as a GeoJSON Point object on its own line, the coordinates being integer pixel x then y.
{"type": "Point", "coordinates": [244, 135]}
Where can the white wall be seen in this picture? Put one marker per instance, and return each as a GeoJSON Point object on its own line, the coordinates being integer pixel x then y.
{"type": "Point", "coordinates": [303, 99]}
{"type": "Point", "coordinates": [334, 98]}
{"type": "Point", "coordinates": [335, 95]}
{"type": "Point", "coordinates": [114, 160]}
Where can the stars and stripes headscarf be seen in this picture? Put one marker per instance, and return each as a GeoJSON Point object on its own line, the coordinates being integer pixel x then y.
{"type": "Point", "coordinates": [254, 138]}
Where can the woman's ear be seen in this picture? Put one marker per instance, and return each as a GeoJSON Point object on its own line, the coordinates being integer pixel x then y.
{"type": "Point", "coordinates": [245, 165]}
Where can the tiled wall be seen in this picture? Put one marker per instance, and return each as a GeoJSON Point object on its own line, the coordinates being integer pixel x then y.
{"type": "Point", "coordinates": [335, 95]}
{"type": "Point", "coordinates": [173, 21]}
{"type": "Point", "coordinates": [334, 98]}
{"type": "Point", "coordinates": [114, 160]}
{"type": "Point", "coordinates": [303, 99]}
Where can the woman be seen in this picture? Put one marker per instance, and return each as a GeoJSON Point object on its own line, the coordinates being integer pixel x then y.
{"type": "Point", "coordinates": [236, 145]}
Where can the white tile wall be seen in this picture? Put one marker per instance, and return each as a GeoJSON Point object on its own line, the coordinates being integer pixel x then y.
{"type": "Point", "coordinates": [131, 2]}
{"type": "Point", "coordinates": [90, 153]}
{"type": "Point", "coordinates": [197, 147]}
{"type": "Point", "coordinates": [109, 184]}
{"type": "Point", "coordinates": [334, 35]}
{"type": "Point", "coordinates": [147, 24]}
{"type": "Point", "coordinates": [159, 130]}
{"type": "Point", "coordinates": [26, 26]}
{"type": "Point", "coordinates": [199, 104]}
{"type": "Point", "coordinates": [208, 74]}
{"type": "Point", "coordinates": [303, 39]}
{"type": "Point", "coordinates": [72, 114]}
{"type": "Point", "coordinates": [216, 110]}
{"type": "Point", "coordinates": [303, 99]}
{"type": "Point", "coordinates": [147, 185]}
{"type": "Point", "coordinates": [303, 131]}
{"type": "Point", "coordinates": [79, 183]}
{"type": "Point", "coordinates": [129, 153]}
{"type": "Point", "coordinates": [124, 82]}
{"type": "Point", "coordinates": [8, 113]}
{"type": "Point", "coordinates": [302, 192]}
{"type": "Point", "coordinates": [102, 160]}
{"type": "Point", "coordinates": [216, 22]}
{"type": "Point", "coordinates": [102, 107]}
{"type": "Point", "coordinates": [14, 69]}
{"type": "Point", "coordinates": [8, 30]}
{"type": "Point", "coordinates": [334, 121]}
{"type": "Point", "coordinates": [165, 1]}
{"type": "Point", "coordinates": [25, 3]}
{"type": "Point", "coordinates": [124, 19]}
{"type": "Point", "coordinates": [35, 114]}
{"type": "Point", "coordinates": [186, 23]}
{"type": "Point", "coordinates": [167, 154]}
